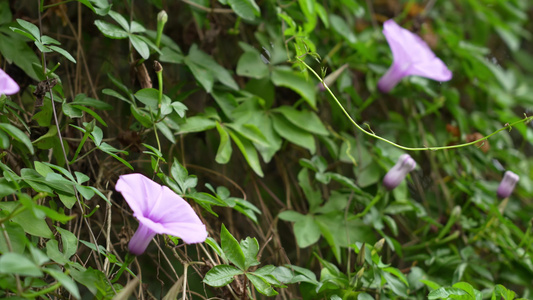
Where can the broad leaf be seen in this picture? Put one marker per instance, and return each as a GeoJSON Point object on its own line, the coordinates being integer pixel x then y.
{"type": "Point", "coordinates": [15, 263]}
{"type": "Point", "coordinates": [221, 275]}
{"type": "Point", "coordinates": [291, 79]}
{"type": "Point", "coordinates": [246, 9]}
{"type": "Point", "coordinates": [232, 249]}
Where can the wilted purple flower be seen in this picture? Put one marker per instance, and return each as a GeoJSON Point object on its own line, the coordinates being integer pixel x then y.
{"type": "Point", "coordinates": [8, 86]}
{"type": "Point", "coordinates": [397, 173]}
{"type": "Point", "coordinates": [411, 56]}
{"type": "Point", "coordinates": [159, 211]}
{"type": "Point", "coordinates": [507, 184]}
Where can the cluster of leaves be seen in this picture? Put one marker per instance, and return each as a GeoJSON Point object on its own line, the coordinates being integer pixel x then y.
{"type": "Point", "coordinates": [229, 74]}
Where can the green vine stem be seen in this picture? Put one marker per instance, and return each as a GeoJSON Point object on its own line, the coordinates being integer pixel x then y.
{"type": "Point", "coordinates": [372, 134]}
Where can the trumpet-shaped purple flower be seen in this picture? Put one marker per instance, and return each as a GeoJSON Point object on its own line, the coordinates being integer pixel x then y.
{"type": "Point", "coordinates": [507, 184]}
{"type": "Point", "coordinates": [397, 173]}
{"type": "Point", "coordinates": [411, 56]}
{"type": "Point", "coordinates": [159, 211]}
{"type": "Point", "coordinates": [8, 86]}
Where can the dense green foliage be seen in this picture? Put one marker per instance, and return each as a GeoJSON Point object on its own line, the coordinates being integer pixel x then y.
{"type": "Point", "coordinates": [220, 101]}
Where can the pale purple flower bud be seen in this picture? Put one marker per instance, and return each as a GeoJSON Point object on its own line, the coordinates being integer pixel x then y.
{"type": "Point", "coordinates": [159, 211]}
{"type": "Point", "coordinates": [411, 56]}
{"type": "Point", "coordinates": [331, 78]}
{"type": "Point", "coordinates": [507, 184]}
{"type": "Point", "coordinates": [8, 86]}
{"type": "Point", "coordinates": [397, 173]}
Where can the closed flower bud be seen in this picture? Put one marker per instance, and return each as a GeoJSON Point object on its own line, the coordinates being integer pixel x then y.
{"type": "Point", "coordinates": [162, 17]}
{"type": "Point", "coordinates": [397, 173]}
{"type": "Point", "coordinates": [157, 67]}
{"type": "Point", "coordinates": [361, 256]}
{"type": "Point", "coordinates": [507, 184]}
{"type": "Point", "coordinates": [379, 245]}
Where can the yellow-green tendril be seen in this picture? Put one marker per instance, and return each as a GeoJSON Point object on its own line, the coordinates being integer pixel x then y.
{"type": "Point", "coordinates": [508, 125]}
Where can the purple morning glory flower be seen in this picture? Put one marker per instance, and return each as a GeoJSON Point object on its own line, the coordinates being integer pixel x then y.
{"type": "Point", "coordinates": [507, 184]}
{"type": "Point", "coordinates": [8, 86]}
{"type": "Point", "coordinates": [159, 211]}
{"type": "Point", "coordinates": [397, 173]}
{"type": "Point", "coordinates": [411, 56]}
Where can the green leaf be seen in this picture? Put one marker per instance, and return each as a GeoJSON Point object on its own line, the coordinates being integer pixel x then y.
{"type": "Point", "coordinates": [203, 75]}
{"type": "Point", "coordinates": [251, 65]}
{"type": "Point", "coordinates": [290, 79]}
{"type": "Point", "coordinates": [42, 169]}
{"type": "Point", "coordinates": [249, 153]}
{"type": "Point", "coordinates": [71, 111]}
{"type": "Point", "coordinates": [4, 140]}
{"type": "Point", "coordinates": [304, 119]}
{"type": "Point", "coordinates": [214, 245]}
{"type": "Point", "coordinates": [149, 97]}
{"type": "Point", "coordinates": [70, 242]}
{"type": "Point", "coordinates": [94, 280]}
{"type": "Point", "coordinates": [82, 99]}
{"type": "Point", "coordinates": [88, 4]}
{"type": "Point", "coordinates": [197, 124]}
{"type": "Point", "coordinates": [221, 275]}
{"type": "Point", "coordinates": [54, 215]}
{"type": "Point", "coordinates": [31, 224]}
{"type": "Point", "coordinates": [30, 28]}
{"type": "Point", "coordinates": [120, 20]}
{"type": "Point", "coordinates": [67, 200]}
{"type": "Point", "coordinates": [63, 52]}
{"type": "Point", "coordinates": [306, 231]}
{"type": "Point", "coordinates": [232, 249]}
{"type": "Point", "coordinates": [265, 126]}
{"type": "Point", "coordinates": [261, 285]}
{"type": "Point", "coordinates": [17, 238]}
{"type": "Point", "coordinates": [293, 134]}
{"type": "Point", "coordinates": [170, 56]}
{"type": "Point", "coordinates": [181, 175]}
{"type": "Point", "coordinates": [115, 94]}
{"type": "Point", "coordinates": [15, 263]}
{"type": "Point", "coordinates": [92, 113]}
{"type": "Point", "coordinates": [446, 292]}
{"type": "Point", "coordinates": [250, 248]}
{"type": "Point", "coordinates": [251, 132]}
{"type": "Point", "coordinates": [24, 33]}
{"type": "Point", "coordinates": [142, 116]}
{"type": "Point", "coordinates": [65, 281]}
{"type": "Point", "coordinates": [52, 250]}
{"type": "Point", "coordinates": [110, 30]}
{"type": "Point", "coordinates": [224, 149]}
{"type": "Point", "coordinates": [179, 108]}
{"type": "Point", "coordinates": [466, 287]}
{"type": "Point", "coordinates": [166, 131]}
{"type": "Point", "coordinates": [17, 134]}
{"type": "Point", "coordinates": [291, 216]}
{"type": "Point", "coordinates": [201, 59]}
{"type": "Point", "coordinates": [140, 46]}
{"type": "Point", "coordinates": [246, 9]}
{"type": "Point", "coordinates": [430, 284]}
{"type": "Point", "coordinates": [136, 27]}
{"type": "Point", "coordinates": [105, 147]}
{"type": "Point", "coordinates": [340, 26]}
